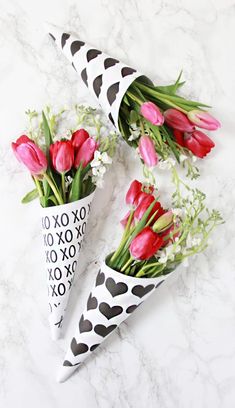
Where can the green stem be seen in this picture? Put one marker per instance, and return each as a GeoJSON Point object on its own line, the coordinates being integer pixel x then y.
{"type": "Point", "coordinates": [127, 264]}
{"type": "Point", "coordinates": [54, 189]}
{"type": "Point", "coordinates": [124, 237]}
{"type": "Point", "coordinates": [37, 183]}
{"type": "Point", "coordinates": [63, 186]}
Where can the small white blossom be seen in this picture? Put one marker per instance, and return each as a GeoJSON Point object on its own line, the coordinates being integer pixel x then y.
{"type": "Point", "coordinates": [166, 164]}
{"type": "Point", "coordinates": [135, 132]}
{"type": "Point", "coordinates": [194, 158]}
{"type": "Point", "coordinates": [182, 158]}
{"type": "Point", "coordinates": [177, 211]}
{"type": "Point", "coordinates": [98, 167]}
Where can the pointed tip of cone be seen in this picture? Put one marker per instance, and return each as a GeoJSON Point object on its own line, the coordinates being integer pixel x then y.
{"type": "Point", "coordinates": [64, 373]}
{"type": "Point", "coordinates": [55, 333]}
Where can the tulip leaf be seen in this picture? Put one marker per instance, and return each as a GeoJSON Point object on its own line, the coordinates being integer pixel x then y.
{"type": "Point", "coordinates": [30, 196]}
{"type": "Point", "coordinates": [75, 192]}
{"type": "Point", "coordinates": [47, 133]}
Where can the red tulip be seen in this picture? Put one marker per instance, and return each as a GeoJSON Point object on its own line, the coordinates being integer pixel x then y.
{"type": "Point", "coordinates": [179, 137]}
{"type": "Point", "coordinates": [178, 120]}
{"type": "Point", "coordinates": [143, 206]}
{"type": "Point", "coordinates": [140, 197]}
{"type": "Point", "coordinates": [152, 113]}
{"type": "Point", "coordinates": [86, 153]}
{"type": "Point", "coordinates": [78, 138]}
{"type": "Point", "coordinates": [167, 232]}
{"type": "Point", "coordinates": [62, 155]}
{"type": "Point", "coordinates": [198, 143]}
{"type": "Point", "coordinates": [28, 153]}
{"type": "Point", "coordinates": [145, 244]}
{"type": "Point", "coordinates": [134, 190]}
{"type": "Point", "coordinates": [147, 151]}
{"type": "Point", "coordinates": [203, 120]}
{"type": "Point", "coordinates": [160, 211]}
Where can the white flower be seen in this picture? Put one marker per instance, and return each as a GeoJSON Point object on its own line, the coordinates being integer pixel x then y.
{"type": "Point", "coordinates": [193, 241]}
{"type": "Point", "coordinates": [98, 167]}
{"type": "Point", "coordinates": [166, 164]}
{"type": "Point", "coordinates": [194, 158]}
{"type": "Point", "coordinates": [177, 211]}
{"type": "Point", "coordinates": [100, 159]}
{"type": "Point", "coordinates": [99, 182]}
{"type": "Point", "coordinates": [135, 132]}
{"type": "Point", "coordinates": [183, 158]}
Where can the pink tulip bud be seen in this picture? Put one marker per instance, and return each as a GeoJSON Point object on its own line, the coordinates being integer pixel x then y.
{"type": "Point", "coordinates": [134, 190]}
{"type": "Point", "coordinates": [152, 113]}
{"type": "Point", "coordinates": [86, 153]}
{"type": "Point", "coordinates": [62, 155]}
{"type": "Point", "coordinates": [163, 222]}
{"type": "Point", "coordinates": [178, 120]}
{"type": "Point", "coordinates": [28, 153]}
{"type": "Point", "coordinates": [203, 120]}
{"type": "Point", "coordinates": [78, 138]}
{"type": "Point", "coordinates": [145, 244]}
{"type": "Point", "coordinates": [147, 151]}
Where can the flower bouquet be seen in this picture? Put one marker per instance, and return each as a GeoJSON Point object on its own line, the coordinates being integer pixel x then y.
{"type": "Point", "coordinates": [155, 120]}
{"type": "Point", "coordinates": [65, 166]}
{"type": "Point", "coordinates": [155, 241]}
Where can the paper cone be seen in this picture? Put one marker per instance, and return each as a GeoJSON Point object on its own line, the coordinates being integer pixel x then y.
{"type": "Point", "coordinates": [113, 298]}
{"type": "Point", "coordinates": [63, 229]}
{"type": "Point", "coordinates": [107, 78]}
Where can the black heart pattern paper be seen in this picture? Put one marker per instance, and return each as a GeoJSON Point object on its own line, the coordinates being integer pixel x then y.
{"type": "Point", "coordinates": [63, 230]}
{"type": "Point", "coordinates": [107, 78]}
{"type": "Point", "coordinates": [112, 299]}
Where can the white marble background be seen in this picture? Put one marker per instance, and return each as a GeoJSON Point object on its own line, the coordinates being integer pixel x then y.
{"type": "Point", "coordinates": [178, 351]}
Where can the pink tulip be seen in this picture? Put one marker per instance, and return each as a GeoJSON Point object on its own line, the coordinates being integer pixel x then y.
{"type": "Point", "coordinates": [125, 219]}
{"type": "Point", "coordinates": [145, 244]}
{"type": "Point", "coordinates": [152, 113]}
{"type": "Point", "coordinates": [28, 153]}
{"type": "Point", "coordinates": [78, 138]}
{"type": "Point", "coordinates": [147, 151]}
{"type": "Point", "coordinates": [86, 153]}
{"type": "Point", "coordinates": [178, 120]}
{"type": "Point", "coordinates": [203, 120]}
{"type": "Point", "coordinates": [62, 155]}
{"type": "Point", "coordinates": [134, 190]}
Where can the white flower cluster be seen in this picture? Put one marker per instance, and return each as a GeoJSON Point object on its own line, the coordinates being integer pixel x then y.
{"type": "Point", "coordinates": [98, 167]}
{"type": "Point", "coordinates": [166, 164]}
{"type": "Point", "coordinates": [135, 132]}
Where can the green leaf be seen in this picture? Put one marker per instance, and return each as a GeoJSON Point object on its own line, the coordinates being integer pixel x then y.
{"type": "Point", "coordinates": [30, 196]}
{"type": "Point", "coordinates": [47, 133]}
{"type": "Point", "coordinates": [75, 191]}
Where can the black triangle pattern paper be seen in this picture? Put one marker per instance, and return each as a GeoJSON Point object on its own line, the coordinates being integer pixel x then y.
{"type": "Point", "coordinates": [113, 298]}
{"type": "Point", "coordinates": [63, 228]}
{"type": "Point", "coordinates": [107, 78]}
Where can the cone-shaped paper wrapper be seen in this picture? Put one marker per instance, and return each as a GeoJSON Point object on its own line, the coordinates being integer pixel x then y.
{"type": "Point", "coordinates": [107, 78]}
{"type": "Point", "coordinates": [113, 298]}
{"type": "Point", "coordinates": [63, 231]}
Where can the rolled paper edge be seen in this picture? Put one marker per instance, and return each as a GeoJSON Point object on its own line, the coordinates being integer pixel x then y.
{"type": "Point", "coordinates": [64, 373]}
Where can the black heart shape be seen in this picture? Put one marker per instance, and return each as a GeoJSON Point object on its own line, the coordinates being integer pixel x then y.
{"type": "Point", "coordinates": [110, 62]}
{"type": "Point", "coordinates": [158, 284]}
{"type": "Point", "coordinates": [131, 308]}
{"type": "Point", "coordinates": [75, 46]}
{"type": "Point", "coordinates": [103, 330]}
{"type": "Point", "coordinates": [110, 312]}
{"type": "Point", "coordinates": [74, 66]}
{"type": "Point", "coordinates": [91, 54]}
{"type": "Point", "coordinates": [111, 118]}
{"type": "Point", "coordinates": [92, 348]}
{"type": "Point", "coordinates": [141, 291]}
{"type": "Point", "coordinates": [84, 76]}
{"type": "Point", "coordinates": [97, 84]}
{"type": "Point", "coordinates": [112, 92]}
{"type": "Point", "coordinates": [78, 348]}
{"type": "Point", "coordinates": [127, 71]}
{"type": "Point", "coordinates": [52, 36]}
{"type": "Point", "coordinates": [114, 288]}
{"type": "Point", "coordinates": [92, 302]}
{"type": "Point", "coordinates": [67, 363]}
{"type": "Point", "coordinates": [64, 38]}
{"type": "Point", "coordinates": [84, 325]}
{"type": "Point", "coordinates": [100, 278]}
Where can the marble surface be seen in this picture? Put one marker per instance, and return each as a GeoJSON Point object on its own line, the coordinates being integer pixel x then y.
{"type": "Point", "coordinates": [178, 350]}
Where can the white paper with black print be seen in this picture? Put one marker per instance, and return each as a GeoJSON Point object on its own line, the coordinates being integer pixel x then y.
{"type": "Point", "coordinates": [63, 228]}
{"type": "Point", "coordinates": [107, 78]}
{"type": "Point", "coordinates": [113, 298]}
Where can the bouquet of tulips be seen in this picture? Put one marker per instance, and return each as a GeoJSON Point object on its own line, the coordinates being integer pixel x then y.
{"type": "Point", "coordinates": [155, 120]}
{"type": "Point", "coordinates": [155, 241]}
{"type": "Point", "coordinates": [66, 168]}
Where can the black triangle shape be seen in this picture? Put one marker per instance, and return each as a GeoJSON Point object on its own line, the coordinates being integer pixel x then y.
{"type": "Point", "coordinates": [64, 38]}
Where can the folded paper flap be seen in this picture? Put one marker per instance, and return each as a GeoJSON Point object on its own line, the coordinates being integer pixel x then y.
{"type": "Point", "coordinates": [106, 77]}
{"type": "Point", "coordinates": [113, 298]}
